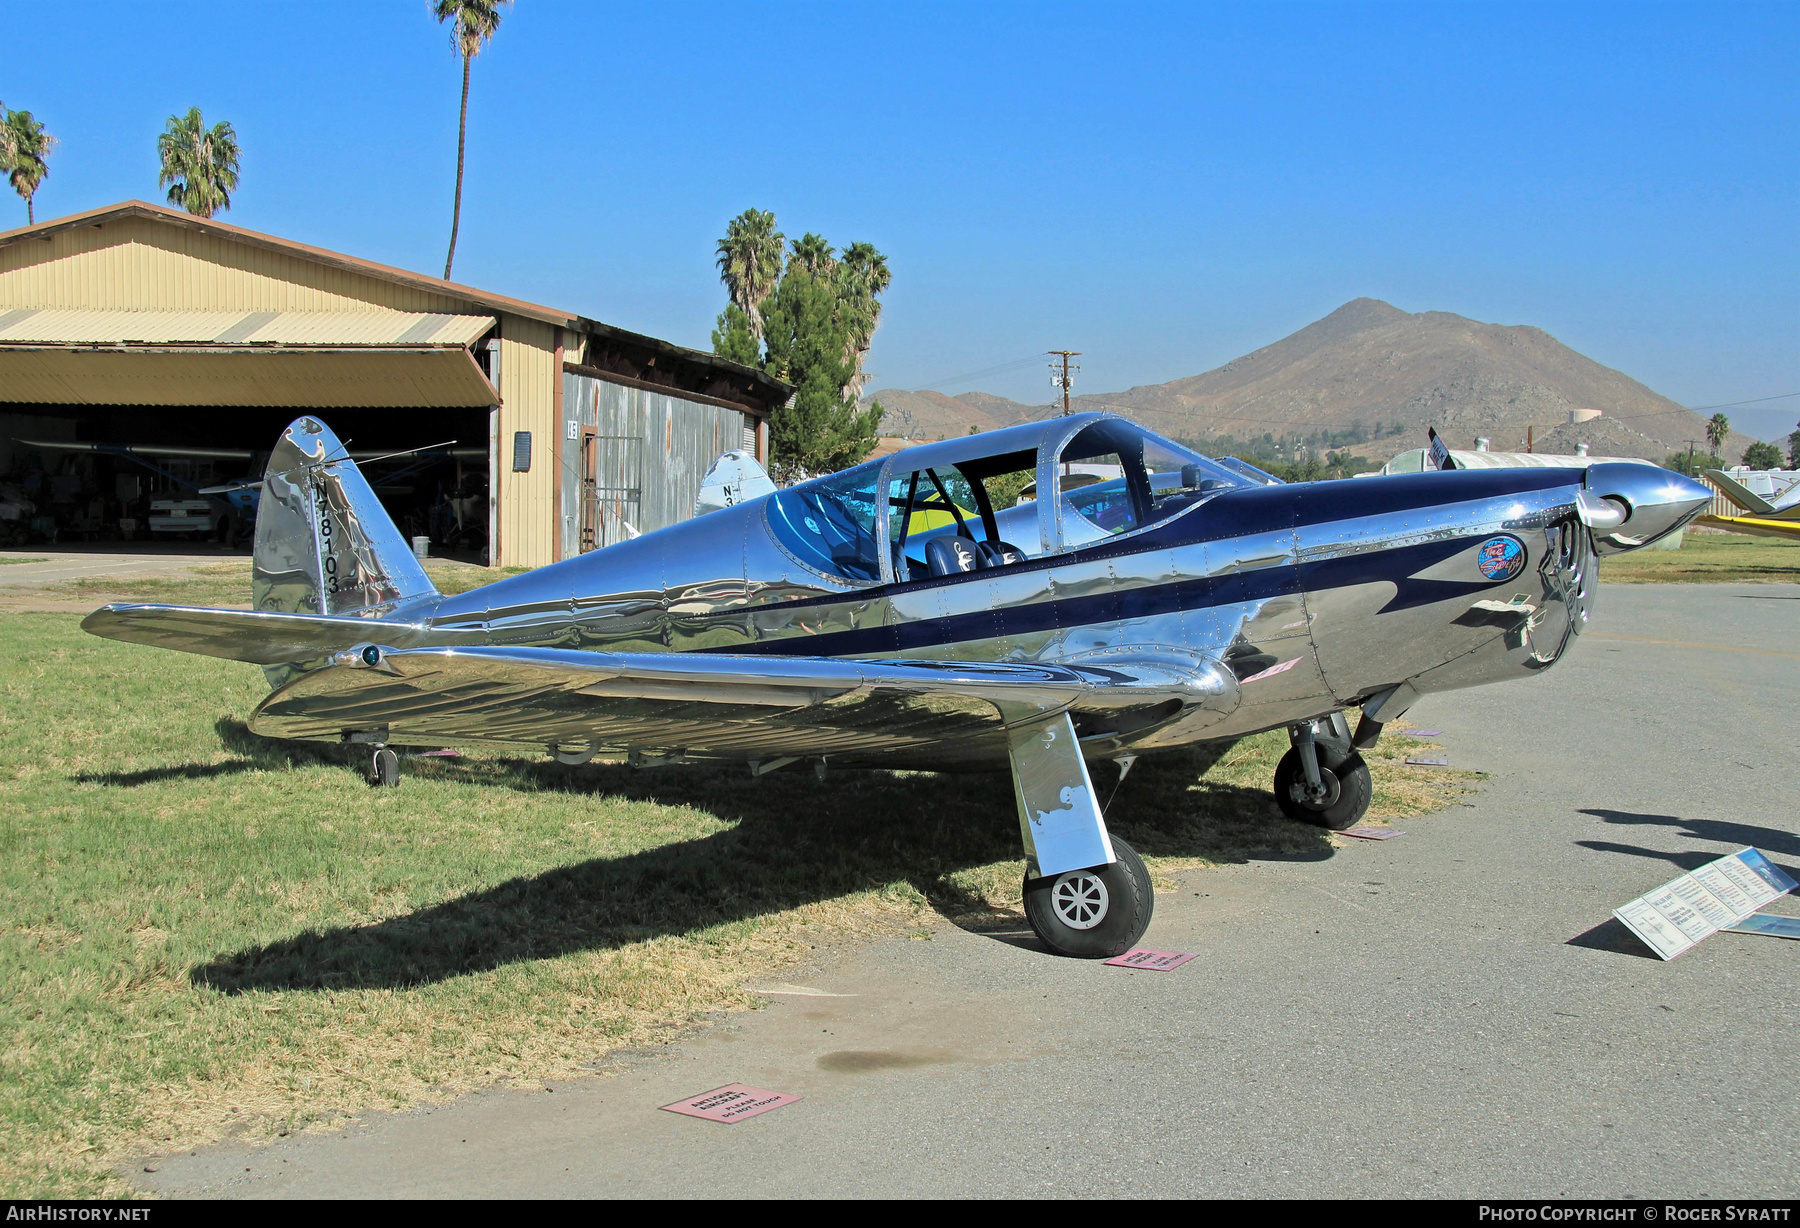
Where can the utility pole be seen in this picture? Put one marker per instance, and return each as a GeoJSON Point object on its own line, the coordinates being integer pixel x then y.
{"type": "Point", "coordinates": [1063, 381]}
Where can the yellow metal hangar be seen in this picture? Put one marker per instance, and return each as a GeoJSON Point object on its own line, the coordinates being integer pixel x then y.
{"type": "Point", "coordinates": [142, 326]}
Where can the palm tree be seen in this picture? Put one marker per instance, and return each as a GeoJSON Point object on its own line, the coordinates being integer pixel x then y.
{"type": "Point", "coordinates": [199, 164]}
{"type": "Point", "coordinates": [24, 145]}
{"type": "Point", "coordinates": [862, 275]}
{"type": "Point", "coordinates": [1718, 427]}
{"type": "Point", "coordinates": [475, 23]}
{"type": "Point", "coordinates": [812, 253]}
{"type": "Point", "coordinates": [750, 263]}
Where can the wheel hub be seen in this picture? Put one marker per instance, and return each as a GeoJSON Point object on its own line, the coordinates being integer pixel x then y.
{"type": "Point", "coordinates": [1329, 791]}
{"type": "Point", "coordinates": [1079, 899]}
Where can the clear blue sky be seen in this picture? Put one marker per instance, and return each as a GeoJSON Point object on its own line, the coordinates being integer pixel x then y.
{"type": "Point", "coordinates": [1162, 187]}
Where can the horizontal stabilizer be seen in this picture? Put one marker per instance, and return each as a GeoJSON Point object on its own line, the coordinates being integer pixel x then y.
{"type": "Point", "coordinates": [258, 636]}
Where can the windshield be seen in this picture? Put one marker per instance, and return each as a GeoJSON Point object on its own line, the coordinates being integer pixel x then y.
{"type": "Point", "coordinates": [829, 523]}
{"type": "Point", "coordinates": [1115, 477]}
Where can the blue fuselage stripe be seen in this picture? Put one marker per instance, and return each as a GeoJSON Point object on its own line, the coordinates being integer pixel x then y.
{"type": "Point", "coordinates": [1237, 514]}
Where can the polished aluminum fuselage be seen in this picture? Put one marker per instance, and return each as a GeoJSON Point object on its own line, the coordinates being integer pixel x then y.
{"type": "Point", "coordinates": [1303, 599]}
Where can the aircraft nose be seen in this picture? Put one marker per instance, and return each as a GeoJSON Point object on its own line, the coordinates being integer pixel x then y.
{"type": "Point", "coordinates": [1655, 502]}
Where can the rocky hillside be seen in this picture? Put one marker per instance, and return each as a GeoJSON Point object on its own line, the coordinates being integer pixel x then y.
{"type": "Point", "coordinates": [1369, 362]}
{"type": "Point", "coordinates": [922, 416]}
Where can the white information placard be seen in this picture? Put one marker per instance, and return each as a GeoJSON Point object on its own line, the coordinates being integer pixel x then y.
{"type": "Point", "coordinates": [1718, 895]}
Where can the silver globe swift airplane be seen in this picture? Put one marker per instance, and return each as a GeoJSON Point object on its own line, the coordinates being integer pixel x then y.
{"type": "Point", "coordinates": [1044, 595]}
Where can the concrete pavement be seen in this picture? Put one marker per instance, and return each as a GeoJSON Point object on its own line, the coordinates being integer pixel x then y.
{"type": "Point", "coordinates": [59, 563]}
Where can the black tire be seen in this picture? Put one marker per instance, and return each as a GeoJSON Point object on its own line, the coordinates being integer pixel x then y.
{"type": "Point", "coordinates": [384, 769]}
{"type": "Point", "coordinates": [1124, 897]}
{"type": "Point", "coordinates": [1347, 792]}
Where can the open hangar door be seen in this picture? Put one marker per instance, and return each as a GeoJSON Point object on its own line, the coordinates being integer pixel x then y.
{"type": "Point", "coordinates": [141, 474]}
{"type": "Point", "coordinates": [125, 426]}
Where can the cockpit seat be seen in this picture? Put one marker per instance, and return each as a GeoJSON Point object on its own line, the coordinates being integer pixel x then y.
{"type": "Point", "coordinates": [949, 556]}
{"type": "Point", "coordinates": [1000, 554]}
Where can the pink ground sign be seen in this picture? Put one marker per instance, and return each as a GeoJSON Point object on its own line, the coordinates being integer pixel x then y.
{"type": "Point", "coordinates": [1155, 961]}
{"type": "Point", "coordinates": [1372, 833]}
{"type": "Point", "coordinates": [730, 1103]}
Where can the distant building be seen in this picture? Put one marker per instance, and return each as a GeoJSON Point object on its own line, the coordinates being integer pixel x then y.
{"type": "Point", "coordinates": [1413, 461]}
{"type": "Point", "coordinates": [143, 325]}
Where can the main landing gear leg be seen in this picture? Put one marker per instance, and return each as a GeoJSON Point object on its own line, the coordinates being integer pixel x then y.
{"type": "Point", "coordinates": [1322, 780]}
{"type": "Point", "coordinates": [1087, 894]}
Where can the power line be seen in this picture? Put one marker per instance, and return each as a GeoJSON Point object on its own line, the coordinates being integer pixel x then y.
{"type": "Point", "coordinates": [1733, 404]}
{"type": "Point", "coordinates": [1014, 365]}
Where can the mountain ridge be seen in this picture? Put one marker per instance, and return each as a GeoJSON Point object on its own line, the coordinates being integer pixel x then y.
{"type": "Point", "coordinates": [1365, 363]}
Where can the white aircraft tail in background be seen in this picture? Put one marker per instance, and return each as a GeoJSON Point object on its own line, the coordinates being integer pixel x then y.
{"type": "Point", "coordinates": [734, 478]}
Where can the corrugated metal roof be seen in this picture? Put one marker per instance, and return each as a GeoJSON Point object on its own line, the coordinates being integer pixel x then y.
{"type": "Point", "coordinates": [67, 326]}
{"type": "Point", "coordinates": [1536, 460]}
{"type": "Point", "coordinates": [680, 371]}
{"type": "Point", "coordinates": [304, 378]}
{"type": "Point", "coordinates": [1413, 461]}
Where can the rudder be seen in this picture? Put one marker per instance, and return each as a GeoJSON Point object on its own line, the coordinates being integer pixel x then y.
{"type": "Point", "coordinates": [324, 543]}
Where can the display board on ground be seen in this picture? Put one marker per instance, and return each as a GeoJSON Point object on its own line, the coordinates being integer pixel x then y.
{"type": "Point", "coordinates": [1718, 895]}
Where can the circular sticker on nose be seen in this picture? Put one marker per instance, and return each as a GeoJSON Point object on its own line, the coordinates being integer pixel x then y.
{"type": "Point", "coordinates": [1500, 558]}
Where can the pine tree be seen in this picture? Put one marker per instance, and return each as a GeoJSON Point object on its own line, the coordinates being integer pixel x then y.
{"type": "Point", "coordinates": [732, 338]}
{"type": "Point", "coordinates": [806, 317]}
{"type": "Point", "coordinates": [823, 429]}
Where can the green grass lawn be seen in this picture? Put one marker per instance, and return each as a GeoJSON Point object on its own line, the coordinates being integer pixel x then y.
{"type": "Point", "coordinates": [228, 584]}
{"type": "Point", "coordinates": [208, 933]}
{"type": "Point", "coordinates": [1708, 558]}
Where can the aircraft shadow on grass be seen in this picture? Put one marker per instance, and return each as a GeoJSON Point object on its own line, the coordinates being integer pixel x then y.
{"type": "Point", "coordinates": [794, 840]}
{"type": "Point", "coordinates": [254, 755]}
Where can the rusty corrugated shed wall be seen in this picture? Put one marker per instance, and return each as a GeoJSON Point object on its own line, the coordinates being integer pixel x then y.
{"type": "Point", "coordinates": [645, 453]}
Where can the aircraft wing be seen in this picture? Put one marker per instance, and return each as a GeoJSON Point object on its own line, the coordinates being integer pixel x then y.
{"type": "Point", "coordinates": [1756, 526]}
{"type": "Point", "coordinates": [673, 706]}
{"type": "Point", "coordinates": [126, 449]}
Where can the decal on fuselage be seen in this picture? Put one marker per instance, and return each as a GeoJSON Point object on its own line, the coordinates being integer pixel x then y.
{"type": "Point", "coordinates": [1500, 558]}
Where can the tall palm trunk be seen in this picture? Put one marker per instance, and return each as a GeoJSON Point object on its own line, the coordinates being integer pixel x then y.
{"type": "Point", "coordinates": [30, 213]}
{"type": "Point", "coordinates": [462, 132]}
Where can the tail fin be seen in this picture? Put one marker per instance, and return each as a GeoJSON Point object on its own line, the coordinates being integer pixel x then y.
{"type": "Point", "coordinates": [734, 478]}
{"type": "Point", "coordinates": [324, 543]}
{"type": "Point", "coordinates": [1740, 494]}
